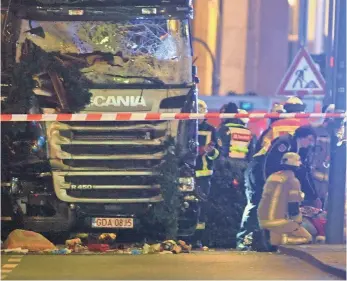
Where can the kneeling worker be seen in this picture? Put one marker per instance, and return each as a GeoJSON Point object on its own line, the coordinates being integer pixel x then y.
{"type": "Point", "coordinates": [278, 210]}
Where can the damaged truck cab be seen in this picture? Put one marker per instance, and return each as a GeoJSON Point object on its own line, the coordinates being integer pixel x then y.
{"type": "Point", "coordinates": [136, 57]}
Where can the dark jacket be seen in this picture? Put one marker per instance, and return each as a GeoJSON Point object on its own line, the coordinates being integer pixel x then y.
{"type": "Point", "coordinates": [204, 163]}
{"type": "Point", "coordinates": [272, 159]}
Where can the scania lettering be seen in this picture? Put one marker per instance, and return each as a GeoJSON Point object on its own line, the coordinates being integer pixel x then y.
{"type": "Point", "coordinates": [101, 101]}
{"type": "Point", "coordinates": [136, 56]}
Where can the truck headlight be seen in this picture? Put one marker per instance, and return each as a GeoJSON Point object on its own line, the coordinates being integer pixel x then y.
{"type": "Point", "coordinates": [186, 184]}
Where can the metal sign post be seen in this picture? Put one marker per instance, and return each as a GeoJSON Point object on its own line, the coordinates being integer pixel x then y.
{"type": "Point", "coordinates": [337, 176]}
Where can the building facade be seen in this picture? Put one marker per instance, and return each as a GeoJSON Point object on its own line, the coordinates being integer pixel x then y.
{"type": "Point", "coordinates": [247, 45]}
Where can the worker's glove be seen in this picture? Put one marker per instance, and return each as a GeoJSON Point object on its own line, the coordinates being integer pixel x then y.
{"type": "Point", "coordinates": [206, 149]}
{"type": "Point", "coordinates": [210, 147]}
{"type": "Point", "coordinates": [202, 150]}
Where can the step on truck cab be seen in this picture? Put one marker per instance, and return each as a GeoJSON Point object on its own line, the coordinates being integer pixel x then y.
{"type": "Point", "coordinates": [137, 57]}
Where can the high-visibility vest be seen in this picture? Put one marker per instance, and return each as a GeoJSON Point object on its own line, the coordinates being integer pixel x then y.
{"type": "Point", "coordinates": [240, 138]}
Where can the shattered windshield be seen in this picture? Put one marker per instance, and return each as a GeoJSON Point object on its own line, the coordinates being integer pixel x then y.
{"type": "Point", "coordinates": [138, 51]}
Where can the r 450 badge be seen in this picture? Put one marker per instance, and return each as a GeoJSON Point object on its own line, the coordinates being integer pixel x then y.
{"type": "Point", "coordinates": [81, 186]}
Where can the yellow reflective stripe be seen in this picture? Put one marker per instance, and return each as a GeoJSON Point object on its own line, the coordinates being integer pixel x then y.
{"type": "Point", "coordinates": [238, 155]}
{"type": "Point", "coordinates": [215, 155]}
{"type": "Point", "coordinates": [235, 125]}
{"type": "Point", "coordinates": [279, 130]}
{"type": "Point", "coordinates": [280, 178]}
{"type": "Point", "coordinates": [297, 218]}
{"type": "Point", "coordinates": [262, 151]}
{"type": "Point", "coordinates": [272, 223]}
{"type": "Point", "coordinates": [265, 144]}
{"type": "Point", "coordinates": [204, 163]}
{"type": "Point", "coordinates": [238, 149]}
{"type": "Point", "coordinates": [290, 240]}
{"type": "Point", "coordinates": [274, 202]}
{"type": "Point", "coordinates": [203, 173]}
{"type": "Point", "coordinates": [296, 196]}
{"type": "Point", "coordinates": [320, 176]}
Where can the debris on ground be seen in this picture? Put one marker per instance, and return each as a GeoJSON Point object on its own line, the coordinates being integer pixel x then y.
{"type": "Point", "coordinates": [107, 238]}
{"type": "Point", "coordinates": [185, 247]}
{"type": "Point", "coordinates": [168, 245]}
{"type": "Point", "coordinates": [136, 252]}
{"type": "Point", "coordinates": [73, 242]}
{"type": "Point", "coordinates": [98, 247]}
{"type": "Point", "coordinates": [15, 251]}
{"type": "Point", "coordinates": [155, 248]}
{"type": "Point", "coordinates": [64, 251]}
{"type": "Point", "coordinates": [146, 248]}
{"type": "Point", "coordinates": [27, 240]}
{"type": "Point", "coordinates": [21, 241]}
{"type": "Point", "coordinates": [177, 249]}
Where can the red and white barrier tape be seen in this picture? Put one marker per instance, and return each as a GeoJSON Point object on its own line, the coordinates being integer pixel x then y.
{"type": "Point", "coordinates": [157, 116]}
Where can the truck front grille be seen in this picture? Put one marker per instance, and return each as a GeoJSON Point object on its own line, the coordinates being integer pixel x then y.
{"type": "Point", "coordinates": [112, 162]}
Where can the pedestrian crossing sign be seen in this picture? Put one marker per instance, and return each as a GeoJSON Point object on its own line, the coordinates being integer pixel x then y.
{"type": "Point", "coordinates": [302, 78]}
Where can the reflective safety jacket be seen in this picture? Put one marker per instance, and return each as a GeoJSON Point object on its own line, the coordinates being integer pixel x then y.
{"type": "Point", "coordinates": [276, 129]}
{"type": "Point", "coordinates": [236, 141]}
{"type": "Point", "coordinates": [281, 189]}
{"type": "Point", "coordinates": [204, 163]}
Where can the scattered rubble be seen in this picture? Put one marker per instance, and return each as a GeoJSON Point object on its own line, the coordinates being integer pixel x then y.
{"type": "Point", "coordinates": [21, 241]}
{"type": "Point", "coordinates": [27, 240]}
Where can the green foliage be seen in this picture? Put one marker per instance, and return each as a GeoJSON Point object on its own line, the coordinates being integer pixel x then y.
{"type": "Point", "coordinates": [226, 203]}
{"type": "Point", "coordinates": [165, 214]}
{"type": "Point", "coordinates": [38, 61]}
{"type": "Point", "coordinates": [21, 97]}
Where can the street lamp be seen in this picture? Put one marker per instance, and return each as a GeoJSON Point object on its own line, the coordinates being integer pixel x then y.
{"type": "Point", "coordinates": [215, 76]}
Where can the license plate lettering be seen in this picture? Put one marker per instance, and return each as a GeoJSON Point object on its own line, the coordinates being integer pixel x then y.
{"type": "Point", "coordinates": [112, 223]}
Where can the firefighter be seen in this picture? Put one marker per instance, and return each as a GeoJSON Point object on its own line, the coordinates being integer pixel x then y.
{"type": "Point", "coordinates": [208, 152]}
{"type": "Point", "coordinates": [277, 108]}
{"type": "Point", "coordinates": [278, 210]}
{"type": "Point", "coordinates": [283, 126]}
{"type": "Point", "coordinates": [289, 125]}
{"type": "Point", "coordinates": [235, 139]}
{"type": "Point", "coordinates": [235, 143]}
{"type": "Point", "coordinates": [263, 164]}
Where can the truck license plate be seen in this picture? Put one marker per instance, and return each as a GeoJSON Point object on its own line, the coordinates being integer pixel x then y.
{"type": "Point", "coordinates": [112, 223]}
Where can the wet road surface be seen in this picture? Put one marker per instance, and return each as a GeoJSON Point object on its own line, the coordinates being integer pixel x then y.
{"type": "Point", "coordinates": [195, 266]}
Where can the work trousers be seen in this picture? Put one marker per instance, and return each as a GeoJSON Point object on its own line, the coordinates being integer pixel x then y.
{"type": "Point", "coordinates": [250, 233]}
{"type": "Point", "coordinates": [288, 233]}
{"type": "Point", "coordinates": [203, 190]}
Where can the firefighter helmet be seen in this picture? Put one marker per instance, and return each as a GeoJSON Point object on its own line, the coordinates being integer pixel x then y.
{"type": "Point", "coordinates": [202, 107]}
{"type": "Point", "coordinates": [243, 120]}
{"type": "Point", "coordinates": [294, 104]}
{"type": "Point", "coordinates": [291, 159]}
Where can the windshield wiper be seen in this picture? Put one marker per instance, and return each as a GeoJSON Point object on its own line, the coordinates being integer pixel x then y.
{"type": "Point", "coordinates": [151, 79]}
